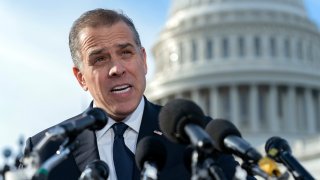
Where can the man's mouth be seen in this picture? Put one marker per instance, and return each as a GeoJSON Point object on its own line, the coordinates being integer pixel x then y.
{"type": "Point", "coordinates": [121, 89]}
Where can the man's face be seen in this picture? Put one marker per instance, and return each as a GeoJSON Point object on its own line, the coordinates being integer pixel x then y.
{"type": "Point", "coordinates": [113, 68]}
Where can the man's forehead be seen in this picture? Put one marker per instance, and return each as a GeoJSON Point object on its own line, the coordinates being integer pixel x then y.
{"type": "Point", "coordinates": [120, 24]}
{"type": "Point", "coordinates": [122, 34]}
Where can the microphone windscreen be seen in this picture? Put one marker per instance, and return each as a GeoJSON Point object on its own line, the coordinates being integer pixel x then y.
{"type": "Point", "coordinates": [277, 143]}
{"type": "Point", "coordinates": [99, 170]}
{"type": "Point", "coordinates": [174, 116]}
{"type": "Point", "coordinates": [151, 149]}
{"type": "Point", "coordinates": [100, 116]}
{"type": "Point", "coordinates": [219, 129]}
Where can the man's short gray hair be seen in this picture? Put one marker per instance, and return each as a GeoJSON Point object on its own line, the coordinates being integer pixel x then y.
{"type": "Point", "coordinates": [96, 18]}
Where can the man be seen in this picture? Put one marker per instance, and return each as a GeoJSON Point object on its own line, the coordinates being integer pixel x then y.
{"type": "Point", "coordinates": [110, 63]}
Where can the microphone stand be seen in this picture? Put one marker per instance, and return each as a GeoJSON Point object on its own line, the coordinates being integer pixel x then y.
{"type": "Point", "coordinates": [214, 169]}
{"type": "Point", "coordinates": [65, 149]}
{"type": "Point", "coordinates": [254, 169]}
{"type": "Point", "coordinates": [149, 172]}
{"type": "Point", "coordinates": [204, 168]}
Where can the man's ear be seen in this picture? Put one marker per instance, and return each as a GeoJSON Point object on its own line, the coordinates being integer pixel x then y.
{"type": "Point", "coordinates": [77, 73]}
{"type": "Point", "coordinates": [144, 57]}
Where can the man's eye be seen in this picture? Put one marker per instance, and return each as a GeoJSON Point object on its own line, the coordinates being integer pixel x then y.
{"type": "Point", "coordinates": [126, 53]}
{"type": "Point", "coordinates": [99, 59]}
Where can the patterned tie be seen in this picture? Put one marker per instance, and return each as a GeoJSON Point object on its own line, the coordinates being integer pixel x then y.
{"type": "Point", "coordinates": [123, 158]}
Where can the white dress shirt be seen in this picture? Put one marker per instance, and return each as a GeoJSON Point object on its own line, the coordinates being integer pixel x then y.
{"type": "Point", "coordinates": [105, 137]}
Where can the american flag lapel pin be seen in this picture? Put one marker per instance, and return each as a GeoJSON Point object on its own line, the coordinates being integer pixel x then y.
{"type": "Point", "coordinates": [157, 132]}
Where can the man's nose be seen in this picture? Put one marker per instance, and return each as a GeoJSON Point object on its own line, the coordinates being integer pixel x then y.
{"type": "Point", "coordinates": [117, 69]}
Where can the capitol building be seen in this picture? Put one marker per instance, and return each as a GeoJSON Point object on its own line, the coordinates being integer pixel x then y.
{"type": "Point", "coordinates": [253, 62]}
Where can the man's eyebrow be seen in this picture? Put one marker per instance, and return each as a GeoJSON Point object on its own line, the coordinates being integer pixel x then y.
{"type": "Point", "coordinates": [95, 52]}
{"type": "Point", "coordinates": [122, 46]}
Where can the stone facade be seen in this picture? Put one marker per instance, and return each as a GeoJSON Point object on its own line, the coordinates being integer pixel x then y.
{"type": "Point", "coordinates": [253, 62]}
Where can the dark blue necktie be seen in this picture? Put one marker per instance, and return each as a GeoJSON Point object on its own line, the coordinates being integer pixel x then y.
{"type": "Point", "coordinates": [123, 158]}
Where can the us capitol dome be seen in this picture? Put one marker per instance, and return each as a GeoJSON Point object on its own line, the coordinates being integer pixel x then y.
{"type": "Point", "coordinates": [253, 62]}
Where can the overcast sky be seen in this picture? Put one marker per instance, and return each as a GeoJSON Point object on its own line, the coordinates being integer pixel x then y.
{"type": "Point", "coordinates": [38, 89]}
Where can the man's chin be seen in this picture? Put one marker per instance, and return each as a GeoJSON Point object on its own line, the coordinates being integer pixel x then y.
{"type": "Point", "coordinates": [121, 115]}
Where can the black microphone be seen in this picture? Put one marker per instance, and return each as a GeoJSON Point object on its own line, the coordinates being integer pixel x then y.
{"type": "Point", "coordinates": [96, 170]}
{"type": "Point", "coordinates": [228, 139]}
{"type": "Point", "coordinates": [279, 149]}
{"type": "Point", "coordinates": [93, 119]}
{"type": "Point", "coordinates": [150, 157]}
{"type": "Point", "coordinates": [182, 121]}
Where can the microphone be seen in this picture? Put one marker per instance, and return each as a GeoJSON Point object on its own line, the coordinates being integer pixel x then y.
{"type": "Point", "coordinates": [279, 150]}
{"type": "Point", "coordinates": [96, 170]}
{"type": "Point", "coordinates": [228, 139]}
{"type": "Point", "coordinates": [93, 119]}
{"type": "Point", "coordinates": [182, 121]}
{"type": "Point", "coordinates": [150, 157]}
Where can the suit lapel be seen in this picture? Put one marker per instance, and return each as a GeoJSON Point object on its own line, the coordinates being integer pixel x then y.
{"type": "Point", "coordinates": [88, 149]}
{"type": "Point", "coordinates": [149, 124]}
{"type": "Point", "coordinates": [149, 121]}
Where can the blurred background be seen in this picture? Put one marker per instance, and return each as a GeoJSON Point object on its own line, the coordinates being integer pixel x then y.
{"type": "Point", "coordinates": [253, 62]}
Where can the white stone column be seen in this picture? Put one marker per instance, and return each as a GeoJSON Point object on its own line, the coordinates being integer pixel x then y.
{"type": "Point", "coordinates": [249, 50]}
{"type": "Point", "coordinates": [311, 119]}
{"type": "Point", "coordinates": [253, 108]}
{"type": "Point", "coordinates": [280, 48]}
{"type": "Point", "coordinates": [214, 102]}
{"type": "Point", "coordinates": [291, 50]}
{"type": "Point", "coordinates": [217, 48]}
{"type": "Point", "coordinates": [291, 120]}
{"type": "Point", "coordinates": [305, 51]}
{"type": "Point", "coordinates": [202, 50]}
{"type": "Point", "coordinates": [265, 48]}
{"type": "Point", "coordinates": [182, 53]}
{"type": "Point", "coordinates": [188, 52]}
{"type": "Point", "coordinates": [196, 97]}
{"type": "Point", "coordinates": [284, 106]}
{"type": "Point", "coordinates": [233, 47]}
{"type": "Point", "coordinates": [294, 46]}
{"type": "Point", "coordinates": [234, 102]}
{"type": "Point", "coordinates": [273, 119]}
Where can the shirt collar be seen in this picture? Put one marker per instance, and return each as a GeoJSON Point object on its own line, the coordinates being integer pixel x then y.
{"type": "Point", "coordinates": [133, 120]}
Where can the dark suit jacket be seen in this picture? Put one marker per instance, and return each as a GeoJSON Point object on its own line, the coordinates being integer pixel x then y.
{"type": "Point", "coordinates": [87, 151]}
